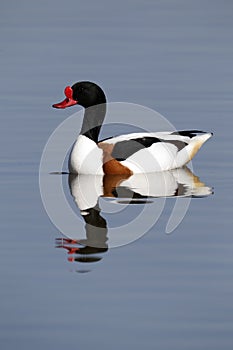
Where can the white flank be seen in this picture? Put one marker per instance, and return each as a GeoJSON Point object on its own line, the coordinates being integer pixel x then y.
{"type": "Point", "coordinates": [158, 157]}
{"type": "Point", "coordinates": [165, 156]}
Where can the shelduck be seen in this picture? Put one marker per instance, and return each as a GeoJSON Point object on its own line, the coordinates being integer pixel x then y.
{"type": "Point", "coordinates": [128, 154]}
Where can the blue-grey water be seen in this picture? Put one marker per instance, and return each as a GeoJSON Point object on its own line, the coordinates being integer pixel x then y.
{"type": "Point", "coordinates": [162, 291]}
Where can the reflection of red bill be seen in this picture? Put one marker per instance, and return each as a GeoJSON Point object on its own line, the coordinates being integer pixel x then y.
{"type": "Point", "coordinates": [71, 250]}
{"type": "Point", "coordinates": [68, 101]}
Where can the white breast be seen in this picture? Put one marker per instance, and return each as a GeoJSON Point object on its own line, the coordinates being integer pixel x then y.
{"type": "Point", "coordinates": [86, 157]}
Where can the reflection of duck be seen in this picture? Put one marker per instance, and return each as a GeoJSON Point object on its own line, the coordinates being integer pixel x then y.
{"type": "Point", "coordinates": [87, 189]}
{"type": "Point", "coordinates": [95, 242]}
{"type": "Point", "coordinates": [126, 154]}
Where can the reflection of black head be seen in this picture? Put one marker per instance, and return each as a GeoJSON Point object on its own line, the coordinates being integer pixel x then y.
{"type": "Point", "coordinates": [94, 218]}
{"type": "Point", "coordinates": [96, 228]}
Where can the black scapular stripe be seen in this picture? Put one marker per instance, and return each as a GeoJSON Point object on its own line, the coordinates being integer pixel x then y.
{"type": "Point", "coordinates": [188, 133]}
{"type": "Point", "coordinates": [124, 149]}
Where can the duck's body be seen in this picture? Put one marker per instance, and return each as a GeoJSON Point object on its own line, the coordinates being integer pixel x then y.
{"type": "Point", "coordinates": [129, 154]}
{"type": "Point", "coordinates": [134, 153]}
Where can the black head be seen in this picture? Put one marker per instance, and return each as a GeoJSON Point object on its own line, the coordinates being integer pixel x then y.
{"type": "Point", "coordinates": [84, 93]}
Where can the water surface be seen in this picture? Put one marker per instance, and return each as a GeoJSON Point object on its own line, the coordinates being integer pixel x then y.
{"type": "Point", "coordinates": [165, 291]}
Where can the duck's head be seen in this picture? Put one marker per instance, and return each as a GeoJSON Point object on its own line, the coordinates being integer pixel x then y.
{"type": "Point", "coordinates": [84, 93]}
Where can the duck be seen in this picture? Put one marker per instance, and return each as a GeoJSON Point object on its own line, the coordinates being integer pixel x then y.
{"type": "Point", "coordinates": [126, 154]}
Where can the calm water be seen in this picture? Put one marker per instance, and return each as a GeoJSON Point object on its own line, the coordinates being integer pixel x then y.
{"type": "Point", "coordinates": [162, 291]}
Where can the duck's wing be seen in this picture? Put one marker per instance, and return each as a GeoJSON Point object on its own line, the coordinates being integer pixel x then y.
{"type": "Point", "coordinates": [169, 149]}
{"type": "Point", "coordinates": [125, 149]}
{"type": "Point", "coordinates": [125, 146]}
